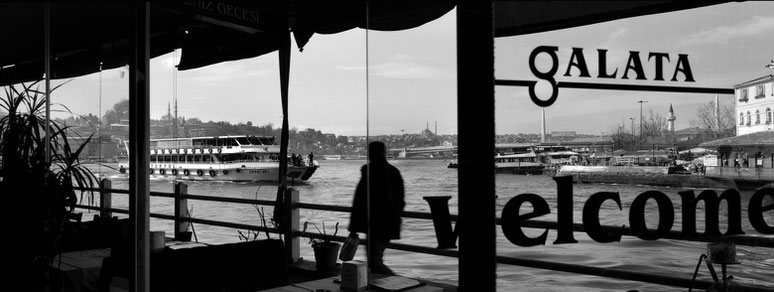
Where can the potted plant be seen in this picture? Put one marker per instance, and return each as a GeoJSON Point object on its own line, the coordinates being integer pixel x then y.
{"type": "Point", "coordinates": [38, 195]}
{"type": "Point", "coordinates": [325, 250]}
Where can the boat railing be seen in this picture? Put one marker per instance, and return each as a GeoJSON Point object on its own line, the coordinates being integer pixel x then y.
{"type": "Point", "coordinates": [291, 233]}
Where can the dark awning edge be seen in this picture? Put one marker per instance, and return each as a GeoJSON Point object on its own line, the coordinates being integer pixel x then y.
{"type": "Point", "coordinates": [514, 18]}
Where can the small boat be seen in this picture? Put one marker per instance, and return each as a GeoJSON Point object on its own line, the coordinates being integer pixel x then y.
{"type": "Point", "coordinates": [331, 157]}
{"type": "Point", "coordinates": [222, 158]}
{"type": "Point", "coordinates": [453, 164]}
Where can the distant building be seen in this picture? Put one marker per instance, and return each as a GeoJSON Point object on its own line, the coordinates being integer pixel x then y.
{"type": "Point", "coordinates": [687, 134]}
{"type": "Point", "coordinates": [754, 103]}
{"type": "Point", "coordinates": [753, 145]}
{"type": "Point", "coordinates": [563, 134]}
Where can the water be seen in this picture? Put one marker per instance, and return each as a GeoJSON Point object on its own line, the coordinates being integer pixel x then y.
{"type": "Point", "coordinates": [334, 184]}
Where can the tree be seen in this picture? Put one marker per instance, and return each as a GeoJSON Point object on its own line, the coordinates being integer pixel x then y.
{"type": "Point", "coordinates": [707, 120]}
{"type": "Point", "coordinates": [120, 111]}
{"type": "Point", "coordinates": [653, 125]}
{"type": "Point", "coordinates": [622, 139]}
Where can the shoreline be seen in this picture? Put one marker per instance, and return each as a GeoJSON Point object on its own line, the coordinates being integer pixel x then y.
{"type": "Point", "coordinates": [652, 176]}
{"type": "Point", "coordinates": [664, 180]}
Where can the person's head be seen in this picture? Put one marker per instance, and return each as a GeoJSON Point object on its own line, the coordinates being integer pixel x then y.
{"type": "Point", "coordinates": [376, 151]}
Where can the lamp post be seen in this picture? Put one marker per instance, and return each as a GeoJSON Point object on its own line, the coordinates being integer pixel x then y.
{"type": "Point", "coordinates": [633, 135]}
{"type": "Point", "coordinates": [641, 102]}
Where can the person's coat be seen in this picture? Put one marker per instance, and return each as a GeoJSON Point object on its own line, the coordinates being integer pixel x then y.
{"type": "Point", "coordinates": [387, 201]}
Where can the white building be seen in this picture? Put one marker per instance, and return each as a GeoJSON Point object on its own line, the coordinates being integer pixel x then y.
{"type": "Point", "coordinates": [754, 105]}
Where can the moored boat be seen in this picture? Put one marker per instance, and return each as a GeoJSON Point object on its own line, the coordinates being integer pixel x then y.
{"type": "Point", "coordinates": [222, 158]}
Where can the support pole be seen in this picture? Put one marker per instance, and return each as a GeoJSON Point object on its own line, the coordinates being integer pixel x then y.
{"type": "Point", "coordinates": [181, 209]}
{"type": "Point", "coordinates": [139, 146]}
{"type": "Point", "coordinates": [47, 64]}
{"type": "Point", "coordinates": [105, 198]}
{"type": "Point", "coordinates": [475, 114]}
{"type": "Point", "coordinates": [292, 243]}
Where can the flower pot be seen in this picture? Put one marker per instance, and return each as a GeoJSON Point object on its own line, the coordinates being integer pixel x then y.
{"type": "Point", "coordinates": [185, 236]}
{"type": "Point", "coordinates": [325, 255]}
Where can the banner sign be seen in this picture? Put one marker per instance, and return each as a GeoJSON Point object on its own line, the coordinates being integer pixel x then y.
{"type": "Point", "coordinates": [232, 14]}
{"type": "Point", "coordinates": [512, 218]}
{"type": "Point", "coordinates": [633, 69]}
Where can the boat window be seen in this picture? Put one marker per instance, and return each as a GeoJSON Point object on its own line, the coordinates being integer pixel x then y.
{"type": "Point", "coordinates": [266, 141]}
{"type": "Point", "coordinates": [243, 141]}
{"type": "Point", "coordinates": [255, 140]}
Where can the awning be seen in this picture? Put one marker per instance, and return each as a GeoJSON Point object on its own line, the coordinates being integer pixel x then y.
{"type": "Point", "coordinates": [524, 17]}
{"type": "Point", "coordinates": [83, 34]}
{"type": "Point", "coordinates": [764, 138]}
{"type": "Point", "coordinates": [208, 32]}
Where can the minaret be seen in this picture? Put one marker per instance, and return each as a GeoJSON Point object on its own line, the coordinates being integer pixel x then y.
{"type": "Point", "coordinates": [671, 118]}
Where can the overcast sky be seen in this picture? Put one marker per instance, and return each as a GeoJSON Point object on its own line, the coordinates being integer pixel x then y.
{"type": "Point", "coordinates": [408, 80]}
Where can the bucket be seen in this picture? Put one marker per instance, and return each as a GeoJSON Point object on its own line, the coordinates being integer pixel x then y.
{"type": "Point", "coordinates": [325, 255]}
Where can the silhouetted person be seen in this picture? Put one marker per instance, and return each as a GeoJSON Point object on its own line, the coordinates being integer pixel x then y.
{"type": "Point", "coordinates": [311, 159]}
{"type": "Point", "coordinates": [383, 190]}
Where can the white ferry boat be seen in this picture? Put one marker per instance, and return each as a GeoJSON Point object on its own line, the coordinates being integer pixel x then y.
{"type": "Point", "coordinates": [521, 163]}
{"type": "Point", "coordinates": [531, 159]}
{"type": "Point", "coordinates": [222, 158]}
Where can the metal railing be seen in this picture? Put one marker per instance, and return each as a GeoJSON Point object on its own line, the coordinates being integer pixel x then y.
{"type": "Point", "coordinates": [292, 234]}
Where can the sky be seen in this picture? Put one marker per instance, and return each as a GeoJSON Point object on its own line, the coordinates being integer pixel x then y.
{"type": "Point", "coordinates": [358, 82]}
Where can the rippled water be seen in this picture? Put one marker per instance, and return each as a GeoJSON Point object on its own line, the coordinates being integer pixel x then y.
{"type": "Point", "coordinates": [335, 181]}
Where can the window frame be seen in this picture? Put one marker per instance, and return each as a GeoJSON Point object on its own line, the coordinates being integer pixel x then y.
{"type": "Point", "coordinates": [757, 117]}
{"type": "Point", "coordinates": [760, 91]}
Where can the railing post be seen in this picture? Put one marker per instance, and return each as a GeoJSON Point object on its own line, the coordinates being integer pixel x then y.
{"type": "Point", "coordinates": [181, 209]}
{"type": "Point", "coordinates": [105, 198]}
{"type": "Point", "coordinates": [292, 243]}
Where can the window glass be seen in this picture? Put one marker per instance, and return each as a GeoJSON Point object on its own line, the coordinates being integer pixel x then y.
{"type": "Point", "coordinates": [611, 121]}
{"type": "Point", "coordinates": [412, 110]}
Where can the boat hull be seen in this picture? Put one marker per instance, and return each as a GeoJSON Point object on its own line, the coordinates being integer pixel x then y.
{"type": "Point", "coordinates": [520, 168]}
{"type": "Point", "coordinates": [268, 172]}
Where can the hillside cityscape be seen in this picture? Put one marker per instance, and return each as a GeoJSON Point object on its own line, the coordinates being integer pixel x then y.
{"type": "Point", "coordinates": [652, 136]}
